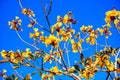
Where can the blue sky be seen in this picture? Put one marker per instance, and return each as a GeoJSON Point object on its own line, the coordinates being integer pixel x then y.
{"type": "Point", "coordinates": [87, 12]}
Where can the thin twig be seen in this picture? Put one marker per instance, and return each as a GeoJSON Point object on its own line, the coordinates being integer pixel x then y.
{"type": "Point", "coordinates": [26, 41]}
{"type": "Point", "coordinates": [47, 14]}
{"type": "Point", "coordinates": [62, 59]}
{"type": "Point", "coordinates": [20, 3]}
{"type": "Point", "coordinates": [65, 46]}
{"type": "Point", "coordinates": [16, 71]}
{"type": "Point", "coordinates": [96, 46]}
{"type": "Point", "coordinates": [116, 56]}
{"type": "Point", "coordinates": [40, 25]}
{"type": "Point", "coordinates": [3, 61]}
{"type": "Point", "coordinates": [50, 8]}
{"type": "Point", "coordinates": [107, 76]}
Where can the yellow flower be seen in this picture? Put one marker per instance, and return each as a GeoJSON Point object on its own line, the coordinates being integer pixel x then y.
{"type": "Point", "coordinates": [75, 46]}
{"type": "Point", "coordinates": [56, 70]}
{"type": "Point", "coordinates": [59, 23]}
{"type": "Point", "coordinates": [35, 29]}
{"type": "Point", "coordinates": [87, 40]}
{"type": "Point", "coordinates": [118, 14]}
{"type": "Point", "coordinates": [15, 61]}
{"type": "Point", "coordinates": [86, 73]}
{"type": "Point", "coordinates": [116, 21]}
{"type": "Point", "coordinates": [65, 19]}
{"type": "Point", "coordinates": [31, 35]}
{"type": "Point", "coordinates": [114, 12]}
{"type": "Point", "coordinates": [15, 24]}
{"type": "Point", "coordinates": [27, 49]}
{"type": "Point", "coordinates": [65, 37]}
{"type": "Point", "coordinates": [4, 54]}
{"type": "Point", "coordinates": [24, 54]}
{"type": "Point", "coordinates": [92, 39]}
{"type": "Point", "coordinates": [52, 40]}
{"type": "Point", "coordinates": [37, 34]}
{"type": "Point", "coordinates": [118, 59]}
{"type": "Point", "coordinates": [28, 12]}
{"type": "Point", "coordinates": [83, 28]}
{"type": "Point", "coordinates": [4, 70]}
{"type": "Point", "coordinates": [9, 23]}
{"type": "Point", "coordinates": [45, 77]}
{"type": "Point", "coordinates": [24, 11]}
{"type": "Point", "coordinates": [110, 66]}
{"type": "Point", "coordinates": [58, 17]}
{"type": "Point", "coordinates": [72, 41]}
{"type": "Point", "coordinates": [100, 30]}
{"type": "Point", "coordinates": [110, 16]}
{"type": "Point", "coordinates": [12, 56]}
{"type": "Point", "coordinates": [46, 58]}
{"type": "Point", "coordinates": [71, 70]}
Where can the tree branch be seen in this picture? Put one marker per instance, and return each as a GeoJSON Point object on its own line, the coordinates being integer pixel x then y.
{"type": "Point", "coordinates": [47, 14]}
{"type": "Point", "coordinates": [20, 3]}
{"type": "Point", "coordinates": [3, 61]}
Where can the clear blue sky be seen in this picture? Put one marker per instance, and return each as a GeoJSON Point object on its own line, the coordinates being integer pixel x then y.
{"type": "Point", "coordinates": [87, 12]}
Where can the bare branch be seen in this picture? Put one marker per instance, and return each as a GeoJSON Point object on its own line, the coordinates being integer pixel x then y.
{"type": "Point", "coordinates": [3, 61]}
{"type": "Point", "coordinates": [26, 41]}
{"type": "Point", "coordinates": [16, 71]}
{"type": "Point", "coordinates": [20, 3]}
{"type": "Point", "coordinates": [47, 14]}
{"type": "Point", "coordinates": [62, 59]}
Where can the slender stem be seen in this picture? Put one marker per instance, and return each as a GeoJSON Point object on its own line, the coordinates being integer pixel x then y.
{"type": "Point", "coordinates": [3, 61]}
{"type": "Point", "coordinates": [40, 25]}
{"type": "Point", "coordinates": [96, 46]}
{"type": "Point", "coordinates": [62, 59]}
{"type": "Point", "coordinates": [34, 19]}
{"type": "Point", "coordinates": [26, 41]}
{"type": "Point", "coordinates": [65, 46]}
{"type": "Point", "coordinates": [19, 1]}
{"type": "Point", "coordinates": [116, 56]}
{"type": "Point", "coordinates": [47, 14]}
{"type": "Point", "coordinates": [72, 75]}
{"type": "Point", "coordinates": [86, 36]}
{"type": "Point", "coordinates": [107, 76]}
{"type": "Point", "coordinates": [102, 45]}
{"type": "Point", "coordinates": [16, 71]}
{"type": "Point", "coordinates": [50, 8]}
{"type": "Point", "coordinates": [117, 30]}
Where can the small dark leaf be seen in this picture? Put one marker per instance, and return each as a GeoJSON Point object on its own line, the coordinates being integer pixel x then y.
{"type": "Point", "coordinates": [81, 57]}
{"type": "Point", "coordinates": [13, 76]}
{"type": "Point", "coordinates": [33, 73]}
{"type": "Point", "coordinates": [40, 73]}
{"type": "Point", "coordinates": [77, 67]}
{"type": "Point", "coordinates": [7, 78]}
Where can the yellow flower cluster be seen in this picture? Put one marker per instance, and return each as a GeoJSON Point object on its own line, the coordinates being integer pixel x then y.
{"type": "Point", "coordinates": [56, 70]}
{"type": "Point", "coordinates": [28, 12]}
{"type": "Point", "coordinates": [92, 37]}
{"type": "Point", "coordinates": [15, 24]}
{"type": "Point", "coordinates": [59, 28]}
{"type": "Point", "coordinates": [17, 56]}
{"type": "Point", "coordinates": [112, 15]}
{"type": "Point", "coordinates": [104, 30]}
{"type": "Point", "coordinates": [48, 58]}
{"type": "Point", "coordinates": [52, 40]}
{"type": "Point", "coordinates": [13, 57]}
{"type": "Point", "coordinates": [86, 73]}
{"type": "Point", "coordinates": [104, 62]}
{"type": "Point", "coordinates": [86, 28]}
{"type": "Point", "coordinates": [32, 23]}
{"type": "Point", "coordinates": [36, 34]}
{"type": "Point", "coordinates": [76, 46]}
